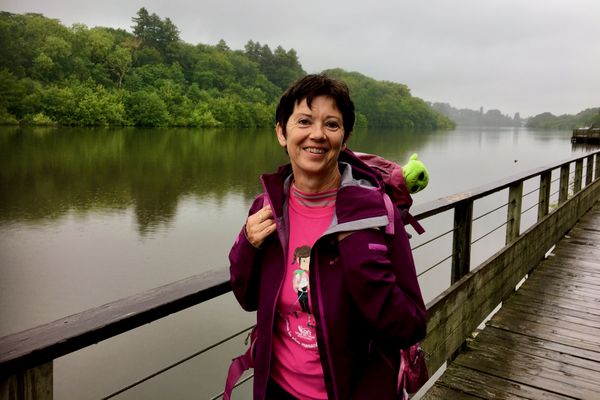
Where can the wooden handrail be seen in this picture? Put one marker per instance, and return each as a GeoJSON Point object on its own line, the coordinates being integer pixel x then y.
{"type": "Point", "coordinates": [42, 344]}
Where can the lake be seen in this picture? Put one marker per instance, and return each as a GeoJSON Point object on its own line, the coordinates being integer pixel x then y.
{"type": "Point", "coordinates": [89, 216]}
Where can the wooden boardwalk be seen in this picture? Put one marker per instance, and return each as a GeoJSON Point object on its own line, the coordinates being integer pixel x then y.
{"type": "Point", "coordinates": [544, 343]}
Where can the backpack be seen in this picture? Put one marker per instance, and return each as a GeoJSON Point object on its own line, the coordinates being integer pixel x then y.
{"type": "Point", "coordinates": [413, 367]}
{"type": "Point", "coordinates": [395, 186]}
{"type": "Point", "coordinates": [413, 373]}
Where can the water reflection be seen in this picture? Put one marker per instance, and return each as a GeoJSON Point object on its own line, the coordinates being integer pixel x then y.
{"type": "Point", "coordinates": [48, 172]}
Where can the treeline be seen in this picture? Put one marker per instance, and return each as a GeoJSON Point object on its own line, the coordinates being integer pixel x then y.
{"type": "Point", "coordinates": [389, 104]}
{"type": "Point", "coordinates": [80, 76]}
{"type": "Point", "coordinates": [588, 117]}
{"type": "Point", "coordinates": [467, 117]}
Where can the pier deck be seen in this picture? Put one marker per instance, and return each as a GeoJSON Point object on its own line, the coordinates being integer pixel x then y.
{"type": "Point", "coordinates": [544, 343]}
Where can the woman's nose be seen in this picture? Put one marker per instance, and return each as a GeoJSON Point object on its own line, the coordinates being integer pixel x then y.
{"type": "Point", "coordinates": [318, 131]}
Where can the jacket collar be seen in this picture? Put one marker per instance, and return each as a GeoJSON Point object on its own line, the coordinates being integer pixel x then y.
{"type": "Point", "coordinates": [359, 203]}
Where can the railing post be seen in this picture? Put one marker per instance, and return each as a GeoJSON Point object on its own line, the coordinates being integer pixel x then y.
{"type": "Point", "coordinates": [32, 384]}
{"type": "Point", "coordinates": [597, 175]}
{"type": "Point", "coordinates": [578, 176]}
{"type": "Point", "coordinates": [563, 193]}
{"type": "Point", "coordinates": [589, 170]}
{"type": "Point", "coordinates": [461, 246]}
{"type": "Point", "coordinates": [515, 198]}
{"type": "Point", "coordinates": [544, 198]}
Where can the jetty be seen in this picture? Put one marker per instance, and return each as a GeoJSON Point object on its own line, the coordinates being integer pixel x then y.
{"type": "Point", "coordinates": [586, 135]}
{"type": "Point", "coordinates": [544, 278]}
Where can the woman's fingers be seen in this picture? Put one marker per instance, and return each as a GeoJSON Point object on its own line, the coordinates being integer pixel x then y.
{"type": "Point", "coordinates": [260, 225]}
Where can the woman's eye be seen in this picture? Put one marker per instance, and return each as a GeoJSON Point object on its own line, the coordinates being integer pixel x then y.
{"type": "Point", "coordinates": [332, 125]}
{"type": "Point", "coordinates": [303, 122]}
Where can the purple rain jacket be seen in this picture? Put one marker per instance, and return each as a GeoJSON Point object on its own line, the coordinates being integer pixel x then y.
{"type": "Point", "coordinates": [366, 299]}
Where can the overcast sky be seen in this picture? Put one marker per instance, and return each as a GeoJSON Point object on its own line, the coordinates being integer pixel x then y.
{"type": "Point", "coordinates": [527, 56]}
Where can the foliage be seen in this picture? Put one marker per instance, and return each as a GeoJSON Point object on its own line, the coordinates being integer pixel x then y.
{"type": "Point", "coordinates": [389, 104]}
{"type": "Point", "coordinates": [588, 117]}
{"type": "Point", "coordinates": [98, 76]}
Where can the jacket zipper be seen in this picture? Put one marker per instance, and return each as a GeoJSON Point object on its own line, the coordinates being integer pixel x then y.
{"type": "Point", "coordinates": [284, 249]}
{"type": "Point", "coordinates": [324, 327]}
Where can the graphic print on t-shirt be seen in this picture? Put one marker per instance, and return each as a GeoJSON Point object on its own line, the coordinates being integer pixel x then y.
{"type": "Point", "coordinates": [300, 281]}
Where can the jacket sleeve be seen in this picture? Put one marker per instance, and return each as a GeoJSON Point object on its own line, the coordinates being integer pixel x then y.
{"type": "Point", "coordinates": [244, 268]}
{"type": "Point", "coordinates": [381, 278]}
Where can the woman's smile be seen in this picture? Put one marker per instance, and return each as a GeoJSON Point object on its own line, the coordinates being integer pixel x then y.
{"type": "Point", "coordinates": [314, 138]}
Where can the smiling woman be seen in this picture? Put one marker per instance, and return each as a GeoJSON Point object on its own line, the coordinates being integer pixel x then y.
{"type": "Point", "coordinates": [314, 138]}
{"type": "Point", "coordinates": [334, 305]}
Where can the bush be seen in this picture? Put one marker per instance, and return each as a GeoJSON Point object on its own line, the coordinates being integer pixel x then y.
{"type": "Point", "coordinates": [145, 108]}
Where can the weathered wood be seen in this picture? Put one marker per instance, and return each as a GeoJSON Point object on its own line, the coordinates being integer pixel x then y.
{"type": "Point", "coordinates": [515, 340]}
{"type": "Point", "coordinates": [515, 199]}
{"type": "Point", "coordinates": [444, 392]}
{"type": "Point", "coordinates": [589, 171]}
{"type": "Point", "coordinates": [544, 195]}
{"type": "Point", "coordinates": [32, 384]}
{"type": "Point", "coordinates": [455, 313]}
{"type": "Point", "coordinates": [597, 169]}
{"type": "Point", "coordinates": [563, 189]}
{"type": "Point", "coordinates": [37, 345]}
{"type": "Point", "coordinates": [578, 176]}
{"type": "Point", "coordinates": [533, 371]}
{"type": "Point", "coordinates": [490, 387]}
{"type": "Point", "coordinates": [461, 245]}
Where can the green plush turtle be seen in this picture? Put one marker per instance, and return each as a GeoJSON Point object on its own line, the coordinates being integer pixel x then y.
{"type": "Point", "coordinates": [415, 174]}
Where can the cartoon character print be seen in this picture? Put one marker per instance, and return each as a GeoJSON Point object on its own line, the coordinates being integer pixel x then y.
{"type": "Point", "coordinates": [300, 281]}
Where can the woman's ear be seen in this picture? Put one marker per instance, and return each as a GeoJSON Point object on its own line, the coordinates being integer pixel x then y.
{"type": "Point", "coordinates": [280, 137]}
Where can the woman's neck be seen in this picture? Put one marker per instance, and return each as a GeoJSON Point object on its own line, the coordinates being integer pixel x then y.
{"type": "Point", "coordinates": [318, 184]}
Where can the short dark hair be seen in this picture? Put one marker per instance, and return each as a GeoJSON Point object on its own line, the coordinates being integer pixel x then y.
{"type": "Point", "coordinates": [309, 87]}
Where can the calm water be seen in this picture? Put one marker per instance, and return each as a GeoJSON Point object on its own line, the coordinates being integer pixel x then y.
{"type": "Point", "coordinates": [88, 216]}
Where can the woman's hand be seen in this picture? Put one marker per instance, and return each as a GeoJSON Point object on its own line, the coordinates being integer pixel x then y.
{"type": "Point", "coordinates": [259, 226]}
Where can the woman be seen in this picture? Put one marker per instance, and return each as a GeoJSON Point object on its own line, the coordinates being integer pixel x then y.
{"type": "Point", "coordinates": [334, 304]}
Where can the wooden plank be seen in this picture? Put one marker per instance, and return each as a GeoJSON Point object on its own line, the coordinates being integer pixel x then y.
{"type": "Point", "coordinates": [563, 336]}
{"type": "Point", "coordinates": [568, 314]}
{"type": "Point", "coordinates": [488, 386]}
{"type": "Point", "coordinates": [562, 303]}
{"type": "Point", "coordinates": [533, 371]}
{"type": "Point", "coordinates": [555, 277]}
{"type": "Point", "coordinates": [588, 299]}
{"type": "Point", "coordinates": [549, 320]}
{"type": "Point", "coordinates": [445, 393]}
{"type": "Point", "coordinates": [544, 194]}
{"type": "Point", "coordinates": [515, 199]}
{"type": "Point", "coordinates": [563, 190]}
{"type": "Point", "coordinates": [552, 286]}
{"type": "Point", "coordinates": [578, 176]}
{"type": "Point", "coordinates": [47, 342]}
{"type": "Point", "coordinates": [518, 339]}
{"type": "Point", "coordinates": [500, 342]}
{"type": "Point", "coordinates": [32, 384]}
{"type": "Point", "coordinates": [461, 240]}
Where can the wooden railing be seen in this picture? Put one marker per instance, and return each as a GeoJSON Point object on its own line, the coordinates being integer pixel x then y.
{"type": "Point", "coordinates": [26, 357]}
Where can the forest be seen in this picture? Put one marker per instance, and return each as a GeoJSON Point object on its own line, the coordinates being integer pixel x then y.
{"type": "Point", "coordinates": [78, 76]}
{"type": "Point", "coordinates": [588, 117]}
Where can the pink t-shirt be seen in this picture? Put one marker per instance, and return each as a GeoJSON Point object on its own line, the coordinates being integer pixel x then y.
{"type": "Point", "coordinates": [296, 365]}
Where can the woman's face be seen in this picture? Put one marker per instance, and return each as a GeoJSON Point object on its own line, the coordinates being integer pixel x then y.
{"type": "Point", "coordinates": [314, 139]}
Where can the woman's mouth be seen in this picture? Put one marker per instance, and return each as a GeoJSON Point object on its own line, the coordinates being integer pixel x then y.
{"type": "Point", "coordinates": [315, 150]}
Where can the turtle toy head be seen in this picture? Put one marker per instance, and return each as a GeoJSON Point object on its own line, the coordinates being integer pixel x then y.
{"type": "Point", "coordinates": [415, 174]}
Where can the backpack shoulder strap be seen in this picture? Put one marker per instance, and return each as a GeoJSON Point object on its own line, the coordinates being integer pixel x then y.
{"type": "Point", "coordinates": [239, 365]}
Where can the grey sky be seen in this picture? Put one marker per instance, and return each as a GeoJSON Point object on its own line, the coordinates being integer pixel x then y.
{"type": "Point", "coordinates": [526, 56]}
